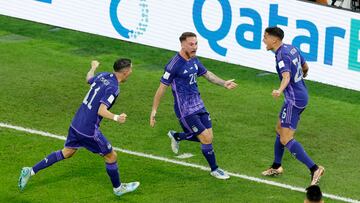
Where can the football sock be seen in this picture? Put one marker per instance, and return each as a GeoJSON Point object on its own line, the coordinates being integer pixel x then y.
{"type": "Point", "coordinates": [314, 168]}
{"type": "Point", "coordinates": [48, 161]}
{"type": "Point", "coordinates": [113, 172]}
{"type": "Point", "coordinates": [180, 136]}
{"type": "Point", "coordinates": [193, 139]}
{"type": "Point", "coordinates": [184, 136]}
{"type": "Point", "coordinates": [298, 151]}
{"type": "Point", "coordinates": [208, 152]}
{"type": "Point", "coordinates": [278, 152]}
{"type": "Point", "coordinates": [275, 165]}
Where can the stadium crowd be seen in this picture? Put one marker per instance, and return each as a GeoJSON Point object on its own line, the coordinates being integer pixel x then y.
{"type": "Point", "coordinates": [353, 5]}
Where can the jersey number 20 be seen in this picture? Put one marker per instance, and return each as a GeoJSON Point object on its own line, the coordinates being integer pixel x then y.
{"type": "Point", "coordinates": [299, 72]}
{"type": "Point", "coordinates": [192, 78]}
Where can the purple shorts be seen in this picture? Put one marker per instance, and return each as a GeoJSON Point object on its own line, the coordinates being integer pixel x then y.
{"type": "Point", "coordinates": [195, 124]}
{"type": "Point", "coordinates": [289, 116]}
{"type": "Point", "coordinates": [96, 144]}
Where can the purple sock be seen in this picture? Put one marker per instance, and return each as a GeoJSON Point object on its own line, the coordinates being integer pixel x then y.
{"type": "Point", "coordinates": [48, 161]}
{"type": "Point", "coordinates": [208, 152]}
{"type": "Point", "coordinates": [193, 139]}
{"type": "Point", "coordinates": [180, 136]}
{"type": "Point", "coordinates": [298, 151]}
{"type": "Point", "coordinates": [113, 172]}
{"type": "Point", "coordinates": [278, 150]}
{"type": "Point", "coordinates": [185, 136]}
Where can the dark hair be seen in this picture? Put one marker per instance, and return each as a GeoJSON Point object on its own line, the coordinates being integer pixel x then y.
{"type": "Point", "coordinates": [121, 64]}
{"type": "Point", "coordinates": [275, 31]}
{"type": "Point", "coordinates": [313, 193]}
{"type": "Point", "coordinates": [186, 35]}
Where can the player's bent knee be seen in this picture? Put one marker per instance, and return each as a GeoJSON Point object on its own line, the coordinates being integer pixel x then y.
{"type": "Point", "coordinates": [68, 152]}
{"type": "Point", "coordinates": [284, 140]}
{"type": "Point", "coordinates": [278, 129]}
{"type": "Point", "coordinates": [205, 138]}
{"type": "Point", "coordinates": [111, 157]}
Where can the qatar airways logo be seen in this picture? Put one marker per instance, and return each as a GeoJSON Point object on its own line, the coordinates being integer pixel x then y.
{"type": "Point", "coordinates": [332, 33]}
{"type": "Point", "coordinates": [129, 33]}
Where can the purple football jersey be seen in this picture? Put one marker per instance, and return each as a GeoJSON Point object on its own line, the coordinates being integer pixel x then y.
{"type": "Point", "coordinates": [104, 89]}
{"type": "Point", "coordinates": [289, 59]}
{"type": "Point", "coordinates": [181, 75]}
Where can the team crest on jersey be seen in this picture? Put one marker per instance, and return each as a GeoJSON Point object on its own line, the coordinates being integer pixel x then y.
{"type": "Point", "coordinates": [185, 71]}
{"type": "Point", "coordinates": [194, 128]}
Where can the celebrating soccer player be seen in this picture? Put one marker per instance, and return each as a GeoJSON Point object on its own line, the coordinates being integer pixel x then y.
{"type": "Point", "coordinates": [84, 129]}
{"type": "Point", "coordinates": [181, 73]}
{"type": "Point", "coordinates": [291, 68]}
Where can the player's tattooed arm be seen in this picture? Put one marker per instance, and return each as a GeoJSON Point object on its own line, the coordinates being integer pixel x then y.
{"type": "Point", "coordinates": [94, 65]}
{"type": "Point", "coordinates": [211, 77]}
{"type": "Point", "coordinates": [228, 84]}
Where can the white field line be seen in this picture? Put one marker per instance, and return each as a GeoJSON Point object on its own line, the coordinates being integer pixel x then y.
{"type": "Point", "coordinates": [259, 180]}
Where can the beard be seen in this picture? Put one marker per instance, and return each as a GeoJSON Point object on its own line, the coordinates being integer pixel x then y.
{"type": "Point", "coordinates": [190, 54]}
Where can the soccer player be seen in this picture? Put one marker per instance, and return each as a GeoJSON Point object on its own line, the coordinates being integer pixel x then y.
{"type": "Point", "coordinates": [181, 73]}
{"type": "Point", "coordinates": [84, 130]}
{"type": "Point", "coordinates": [291, 68]}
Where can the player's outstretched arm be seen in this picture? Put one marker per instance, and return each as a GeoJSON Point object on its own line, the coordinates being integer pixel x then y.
{"type": "Point", "coordinates": [228, 84]}
{"type": "Point", "coordinates": [158, 95]}
{"type": "Point", "coordinates": [105, 113]}
{"type": "Point", "coordinates": [94, 65]}
{"type": "Point", "coordinates": [305, 69]}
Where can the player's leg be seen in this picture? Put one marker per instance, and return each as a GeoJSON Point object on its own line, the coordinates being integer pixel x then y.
{"type": "Point", "coordinates": [276, 168]}
{"type": "Point", "coordinates": [202, 128]}
{"type": "Point", "coordinates": [99, 144]}
{"type": "Point", "coordinates": [53, 158]}
{"type": "Point", "coordinates": [290, 119]}
{"type": "Point", "coordinates": [70, 148]}
{"type": "Point", "coordinates": [206, 138]}
{"type": "Point", "coordinates": [113, 172]}
{"type": "Point", "coordinates": [279, 148]}
{"type": "Point", "coordinates": [176, 137]}
{"type": "Point", "coordinates": [187, 133]}
{"type": "Point", "coordinates": [112, 168]}
{"type": "Point", "coordinates": [204, 125]}
{"type": "Point", "coordinates": [27, 172]}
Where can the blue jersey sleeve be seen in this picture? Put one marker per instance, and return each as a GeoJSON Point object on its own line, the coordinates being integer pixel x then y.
{"type": "Point", "coordinates": [169, 74]}
{"type": "Point", "coordinates": [109, 97]}
{"type": "Point", "coordinates": [201, 68]}
{"type": "Point", "coordinates": [284, 64]}
{"type": "Point", "coordinates": [91, 80]}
